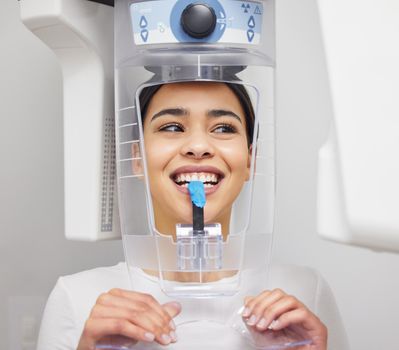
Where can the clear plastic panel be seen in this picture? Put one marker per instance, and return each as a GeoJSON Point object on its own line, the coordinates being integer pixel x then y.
{"type": "Point", "coordinates": [211, 294]}
{"type": "Point", "coordinates": [140, 245]}
{"type": "Point", "coordinates": [137, 211]}
{"type": "Point", "coordinates": [246, 251]}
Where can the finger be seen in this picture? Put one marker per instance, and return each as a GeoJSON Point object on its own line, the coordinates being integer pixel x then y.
{"type": "Point", "coordinates": [173, 308]}
{"type": "Point", "coordinates": [141, 314]}
{"type": "Point", "coordinates": [134, 312]}
{"type": "Point", "coordinates": [144, 298]}
{"type": "Point", "coordinates": [267, 294]}
{"type": "Point", "coordinates": [144, 320]}
{"type": "Point", "coordinates": [302, 317]}
{"type": "Point", "coordinates": [96, 329]}
{"type": "Point", "coordinates": [275, 310]}
{"type": "Point", "coordinates": [135, 301]}
{"type": "Point", "coordinates": [305, 323]}
{"type": "Point", "coordinates": [248, 299]}
{"type": "Point", "coordinates": [256, 307]}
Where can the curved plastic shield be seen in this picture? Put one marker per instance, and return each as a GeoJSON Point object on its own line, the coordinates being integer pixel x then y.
{"type": "Point", "coordinates": [241, 244]}
{"type": "Point", "coordinates": [209, 268]}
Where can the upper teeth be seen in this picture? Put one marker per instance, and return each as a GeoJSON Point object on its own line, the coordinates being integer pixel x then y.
{"type": "Point", "coordinates": [203, 177]}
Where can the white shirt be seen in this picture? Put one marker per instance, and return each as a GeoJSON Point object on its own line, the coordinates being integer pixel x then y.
{"type": "Point", "coordinates": [73, 297]}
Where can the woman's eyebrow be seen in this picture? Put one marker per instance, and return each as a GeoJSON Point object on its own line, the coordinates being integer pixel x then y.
{"type": "Point", "coordinates": [221, 113]}
{"type": "Point", "coordinates": [170, 111]}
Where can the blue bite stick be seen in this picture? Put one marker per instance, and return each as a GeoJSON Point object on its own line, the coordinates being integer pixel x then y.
{"type": "Point", "coordinates": [197, 194]}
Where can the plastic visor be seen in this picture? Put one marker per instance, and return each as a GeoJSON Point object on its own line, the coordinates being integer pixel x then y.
{"type": "Point", "coordinates": [247, 244]}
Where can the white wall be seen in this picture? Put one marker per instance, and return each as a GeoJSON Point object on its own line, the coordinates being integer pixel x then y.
{"type": "Point", "coordinates": [33, 251]}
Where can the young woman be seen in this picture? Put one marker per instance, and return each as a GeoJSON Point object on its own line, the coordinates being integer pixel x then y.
{"type": "Point", "coordinates": [190, 130]}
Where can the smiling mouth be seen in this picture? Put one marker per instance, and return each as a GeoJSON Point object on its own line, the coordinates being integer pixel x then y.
{"type": "Point", "coordinates": [209, 180]}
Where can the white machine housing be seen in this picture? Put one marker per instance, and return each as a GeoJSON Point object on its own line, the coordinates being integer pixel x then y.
{"type": "Point", "coordinates": [81, 34]}
{"type": "Point", "coordinates": [358, 191]}
{"type": "Point", "coordinates": [358, 183]}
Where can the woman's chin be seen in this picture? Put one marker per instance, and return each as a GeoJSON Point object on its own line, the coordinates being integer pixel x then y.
{"type": "Point", "coordinates": [187, 219]}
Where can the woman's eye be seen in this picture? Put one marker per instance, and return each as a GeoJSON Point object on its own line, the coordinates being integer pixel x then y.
{"type": "Point", "coordinates": [172, 128]}
{"type": "Point", "coordinates": [225, 128]}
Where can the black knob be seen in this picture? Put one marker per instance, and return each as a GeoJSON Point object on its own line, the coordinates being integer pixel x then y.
{"type": "Point", "coordinates": [198, 20]}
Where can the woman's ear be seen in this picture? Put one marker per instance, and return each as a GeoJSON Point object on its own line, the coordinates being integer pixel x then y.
{"type": "Point", "coordinates": [137, 163]}
{"type": "Point", "coordinates": [249, 161]}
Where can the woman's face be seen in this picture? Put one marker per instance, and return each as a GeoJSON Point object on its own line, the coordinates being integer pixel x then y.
{"type": "Point", "coordinates": [195, 131]}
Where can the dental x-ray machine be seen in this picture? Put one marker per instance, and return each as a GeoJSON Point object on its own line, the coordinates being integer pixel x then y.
{"type": "Point", "coordinates": [358, 182]}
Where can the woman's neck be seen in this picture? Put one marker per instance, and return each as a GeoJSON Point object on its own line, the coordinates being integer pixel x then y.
{"type": "Point", "coordinates": [203, 277]}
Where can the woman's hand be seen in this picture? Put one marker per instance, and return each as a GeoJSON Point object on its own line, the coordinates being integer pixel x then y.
{"type": "Point", "coordinates": [275, 310]}
{"type": "Point", "coordinates": [132, 315]}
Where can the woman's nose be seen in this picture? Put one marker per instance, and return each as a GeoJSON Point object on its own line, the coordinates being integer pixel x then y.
{"type": "Point", "coordinates": [197, 147]}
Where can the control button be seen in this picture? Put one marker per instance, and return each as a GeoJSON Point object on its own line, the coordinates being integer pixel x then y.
{"type": "Point", "coordinates": [144, 35]}
{"type": "Point", "coordinates": [250, 35]}
{"type": "Point", "coordinates": [251, 22]}
{"type": "Point", "coordinates": [143, 22]}
{"type": "Point", "coordinates": [198, 20]}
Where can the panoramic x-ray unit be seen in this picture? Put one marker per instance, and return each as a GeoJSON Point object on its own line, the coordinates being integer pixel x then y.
{"type": "Point", "coordinates": [358, 189]}
{"type": "Point", "coordinates": [164, 42]}
{"type": "Point", "coordinates": [156, 43]}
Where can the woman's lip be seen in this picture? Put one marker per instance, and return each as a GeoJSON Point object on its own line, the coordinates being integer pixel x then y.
{"type": "Point", "coordinates": [208, 190]}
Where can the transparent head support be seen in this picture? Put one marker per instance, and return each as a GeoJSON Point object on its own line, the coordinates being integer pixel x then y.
{"type": "Point", "coordinates": [243, 251]}
{"type": "Point", "coordinates": [247, 243]}
{"type": "Point", "coordinates": [151, 49]}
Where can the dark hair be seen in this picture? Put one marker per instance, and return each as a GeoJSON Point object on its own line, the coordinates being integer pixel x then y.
{"type": "Point", "coordinates": [238, 89]}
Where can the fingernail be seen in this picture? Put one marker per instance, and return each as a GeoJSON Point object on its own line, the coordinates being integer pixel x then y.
{"type": "Point", "coordinates": [273, 324]}
{"type": "Point", "coordinates": [149, 336]}
{"type": "Point", "coordinates": [166, 338]}
{"type": "Point", "coordinates": [173, 335]}
{"type": "Point", "coordinates": [172, 325]}
{"type": "Point", "coordinates": [261, 324]}
{"type": "Point", "coordinates": [252, 320]}
{"type": "Point", "coordinates": [246, 312]}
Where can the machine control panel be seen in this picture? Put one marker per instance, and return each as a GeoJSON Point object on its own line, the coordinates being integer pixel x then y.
{"type": "Point", "coordinates": [185, 21]}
